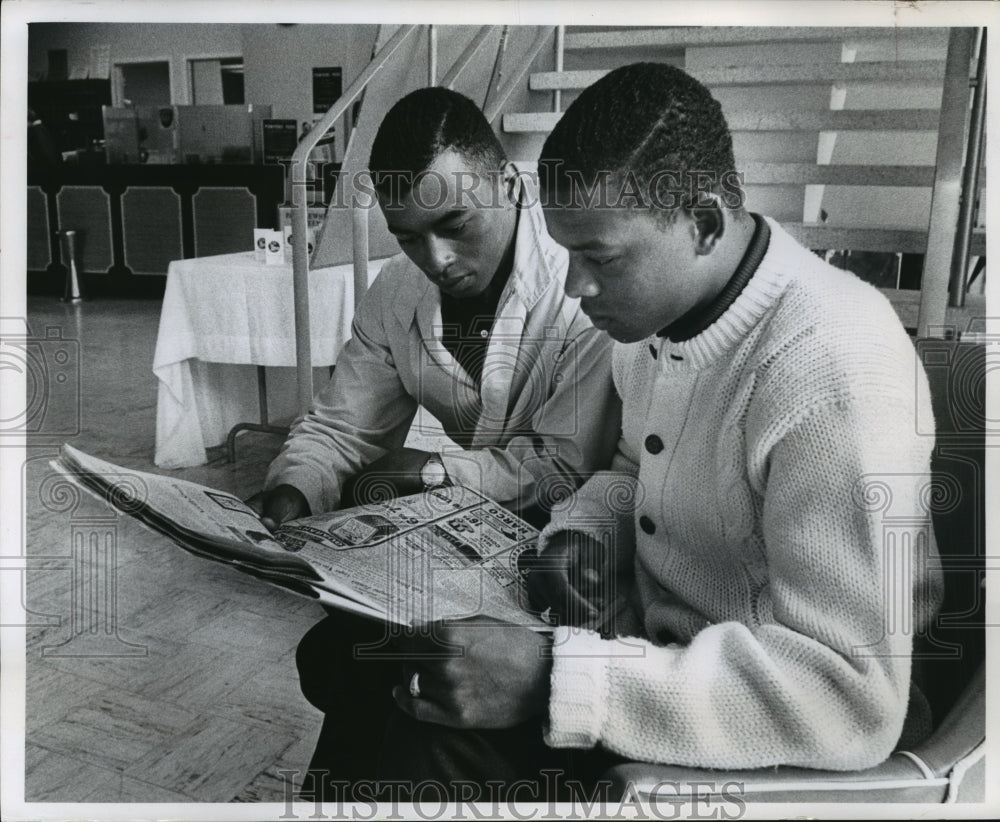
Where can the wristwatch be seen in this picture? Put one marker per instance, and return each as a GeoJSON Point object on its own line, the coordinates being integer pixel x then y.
{"type": "Point", "coordinates": [433, 473]}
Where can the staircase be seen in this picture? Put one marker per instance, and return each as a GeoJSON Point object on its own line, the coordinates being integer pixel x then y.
{"type": "Point", "coordinates": [860, 141]}
{"type": "Point", "coordinates": [853, 138]}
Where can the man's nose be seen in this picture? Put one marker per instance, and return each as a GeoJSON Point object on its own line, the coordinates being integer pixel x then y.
{"type": "Point", "coordinates": [579, 281]}
{"type": "Point", "coordinates": [438, 256]}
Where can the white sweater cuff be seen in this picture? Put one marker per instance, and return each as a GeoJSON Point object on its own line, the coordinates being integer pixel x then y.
{"type": "Point", "coordinates": [578, 703]}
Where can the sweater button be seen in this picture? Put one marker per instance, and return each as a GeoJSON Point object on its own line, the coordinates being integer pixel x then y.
{"type": "Point", "coordinates": [652, 352]}
{"type": "Point", "coordinates": [654, 444]}
{"type": "Point", "coordinates": [646, 524]}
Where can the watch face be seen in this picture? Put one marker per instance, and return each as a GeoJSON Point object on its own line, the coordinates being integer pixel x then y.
{"type": "Point", "coordinates": [433, 473]}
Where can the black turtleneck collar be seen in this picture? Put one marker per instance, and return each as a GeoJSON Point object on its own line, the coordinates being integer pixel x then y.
{"type": "Point", "coordinates": [698, 319]}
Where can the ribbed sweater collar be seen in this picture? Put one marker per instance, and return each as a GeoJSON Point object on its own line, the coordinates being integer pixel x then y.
{"type": "Point", "coordinates": [694, 322]}
{"type": "Point", "coordinates": [748, 297]}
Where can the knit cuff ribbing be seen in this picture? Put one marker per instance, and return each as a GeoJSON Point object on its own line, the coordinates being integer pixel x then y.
{"type": "Point", "coordinates": [578, 704]}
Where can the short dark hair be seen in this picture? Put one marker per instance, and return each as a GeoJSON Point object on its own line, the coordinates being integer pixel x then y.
{"type": "Point", "coordinates": [424, 124]}
{"type": "Point", "coordinates": [648, 122]}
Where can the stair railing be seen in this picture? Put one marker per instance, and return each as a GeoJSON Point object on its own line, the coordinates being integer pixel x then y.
{"type": "Point", "coordinates": [300, 250]}
{"type": "Point", "coordinates": [359, 216]}
{"type": "Point", "coordinates": [946, 193]}
{"type": "Point", "coordinates": [560, 52]}
{"type": "Point", "coordinates": [958, 286]}
{"type": "Point", "coordinates": [499, 100]}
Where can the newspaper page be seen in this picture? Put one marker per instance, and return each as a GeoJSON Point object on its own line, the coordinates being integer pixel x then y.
{"type": "Point", "coordinates": [446, 553]}
{"type": "Point", "coordinates": [200, 519]}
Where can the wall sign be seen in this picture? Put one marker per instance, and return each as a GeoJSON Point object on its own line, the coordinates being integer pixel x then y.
{"type": "Point", "coordinates": [327, 87]}
{"type": "Point", "coordinates": [279, 139]}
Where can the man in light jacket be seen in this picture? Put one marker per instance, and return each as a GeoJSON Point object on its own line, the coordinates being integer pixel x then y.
{"type": "Point", "coordinates": [472, 323]}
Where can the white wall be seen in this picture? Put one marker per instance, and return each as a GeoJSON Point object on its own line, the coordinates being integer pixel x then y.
{"type": "Point", "coordinates": [278, 63]}
{"type": "Point", "coordinates": [134, 42]}
{"type": "Point", "coordinates": [278, 60]}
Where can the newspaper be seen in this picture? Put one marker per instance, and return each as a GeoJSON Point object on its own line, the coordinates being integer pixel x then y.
{"type": "Point", "coordinates": [446, 553]}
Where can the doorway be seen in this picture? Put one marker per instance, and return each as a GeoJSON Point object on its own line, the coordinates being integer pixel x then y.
{"type": "Point", "coordinates": [142, 84]}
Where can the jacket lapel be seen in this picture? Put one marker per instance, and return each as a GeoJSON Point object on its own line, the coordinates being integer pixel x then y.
{"type": "Point", "coordinates": [428, 320]}
{"type": "Point", "coordinates": [504, 372]}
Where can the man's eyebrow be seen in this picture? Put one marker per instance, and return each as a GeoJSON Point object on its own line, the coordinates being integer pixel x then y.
{"type": "Point", "coordinates": [590, 245]}
{"type": "Point", "coordinates": [454, 214]}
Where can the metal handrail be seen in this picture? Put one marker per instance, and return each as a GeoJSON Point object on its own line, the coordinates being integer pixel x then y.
{"type": "Point", "coordinates": [359, 215]}
{"type": "Point", "coordinates": [300, 221]}
{"type": "Point", "coordinates": [560, 51]}
{"type": "Point", "coordinates": [958, 285]}
{"type": "Point", "coordinates": [946, 193]}
{"type": "Point", "coordinates": [501, 98]}
{"type": "Point", "coordinates": [448, 81]}
{"type": "Point", "coordinates": [497, 71]}
{"type": "Point", "coordinates": [432, 55]}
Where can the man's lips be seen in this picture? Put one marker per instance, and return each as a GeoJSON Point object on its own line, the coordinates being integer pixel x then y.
{"type": "Point", "coordinates": [451, 282]}
{"type": "Point", "coordinates": [598, 319]}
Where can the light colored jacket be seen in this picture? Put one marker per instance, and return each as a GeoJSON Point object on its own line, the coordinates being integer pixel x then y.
{"type": "Point", "coordinates": [545, 416]}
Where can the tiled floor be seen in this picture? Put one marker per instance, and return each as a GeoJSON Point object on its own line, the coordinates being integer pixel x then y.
{"type": "Point", "coordinates": [157, 676]}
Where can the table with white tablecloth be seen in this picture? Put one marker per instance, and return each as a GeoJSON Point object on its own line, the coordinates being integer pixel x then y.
{"type": "Point", "coordinates": [222, 317]}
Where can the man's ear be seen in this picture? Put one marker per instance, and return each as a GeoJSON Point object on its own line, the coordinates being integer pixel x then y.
{"type": "Point", "coordinates": [708, 225]}
{"type": "Point", "coordinates": [510, 180]}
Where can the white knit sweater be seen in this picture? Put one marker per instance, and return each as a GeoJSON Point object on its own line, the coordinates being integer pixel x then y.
{"type": "Point", "coordinates": [769, 480]}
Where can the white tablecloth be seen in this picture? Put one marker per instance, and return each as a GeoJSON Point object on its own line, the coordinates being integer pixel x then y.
{"type": "Point", "coordinates": [223, 316]}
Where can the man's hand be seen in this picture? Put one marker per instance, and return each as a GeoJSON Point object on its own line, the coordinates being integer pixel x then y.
{"type": "Point", "coordinates": [473, 674]}
{"type": "Point", "coordinates": [395, 474]}
{"type": "Point", "coordinates": [281, 504]}
{"type": "Point", "coordinates": [577, 580]}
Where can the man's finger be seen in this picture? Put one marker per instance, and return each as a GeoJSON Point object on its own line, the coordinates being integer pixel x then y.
{"type": "Point", "coordinates": [542, 588]}
{"type": "Point", "coordinates": [274, 515]}
{"type": "Point", "coordinates": [576, 609]}
{"type": "Point", "coordinates": [423, 708]}
{"type": "Point", "coordinates": [552, 591]}
{"type": "Point", "coordinates": [280, 511]}
{"type": "Point", "coordinates": [425, 641]}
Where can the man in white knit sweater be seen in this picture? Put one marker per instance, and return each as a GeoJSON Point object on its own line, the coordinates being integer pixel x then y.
{"type": "Point", "coordinates": [755, 566]}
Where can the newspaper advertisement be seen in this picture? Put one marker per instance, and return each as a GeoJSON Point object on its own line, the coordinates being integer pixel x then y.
{"type": "Point", "coordinates": [446, 553]}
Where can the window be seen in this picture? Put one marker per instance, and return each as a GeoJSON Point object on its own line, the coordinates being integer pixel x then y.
{"type": "Point", "coordinates": [217, 81]}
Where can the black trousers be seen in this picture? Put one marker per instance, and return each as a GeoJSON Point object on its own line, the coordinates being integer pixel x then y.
{"type": "Point", "coordinates": [368, 748]}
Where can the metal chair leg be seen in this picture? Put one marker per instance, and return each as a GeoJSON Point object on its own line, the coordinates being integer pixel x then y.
{"type": "Point", "coordinates": [263, 426]}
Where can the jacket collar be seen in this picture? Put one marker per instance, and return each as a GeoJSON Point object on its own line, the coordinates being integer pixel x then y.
{"type": "Point", "coordinates": [538, 259]}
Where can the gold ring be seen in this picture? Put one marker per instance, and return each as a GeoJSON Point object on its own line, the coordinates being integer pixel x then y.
{"type": "Point", "coordinates": [415, 685]}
